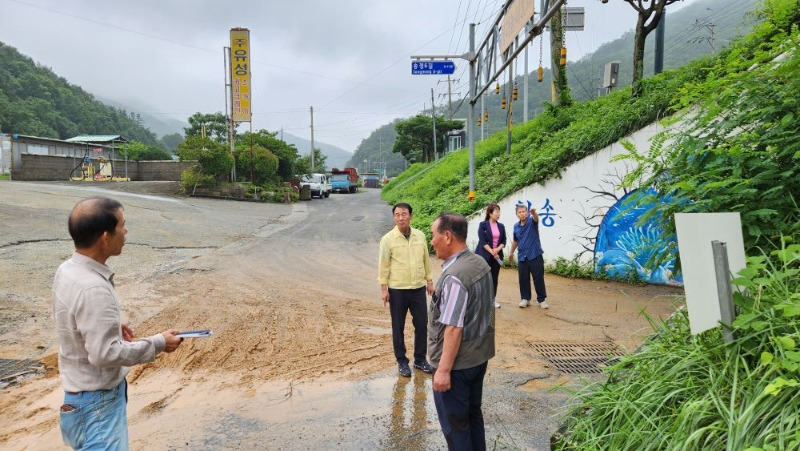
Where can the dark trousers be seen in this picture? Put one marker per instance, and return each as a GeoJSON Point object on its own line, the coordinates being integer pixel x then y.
{"type": "Point", "coordinates": [494, 266]}
{"type": "Point", "coordinates": [532, 268]}
{"type": "Point", "coordinates": [400, 303]}
{"type": "Point", "coordinates": [459, 409]}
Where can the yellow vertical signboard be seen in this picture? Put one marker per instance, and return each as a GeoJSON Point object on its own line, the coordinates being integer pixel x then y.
{"type": "Point", "coordinates": [240, 74]}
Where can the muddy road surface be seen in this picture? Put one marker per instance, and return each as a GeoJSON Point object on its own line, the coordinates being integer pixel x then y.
{"type": "Point", "coordinates": [301, 352]}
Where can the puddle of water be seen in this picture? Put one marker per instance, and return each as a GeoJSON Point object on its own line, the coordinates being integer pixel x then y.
{"type": "Point", "coordinates": [388, 412]}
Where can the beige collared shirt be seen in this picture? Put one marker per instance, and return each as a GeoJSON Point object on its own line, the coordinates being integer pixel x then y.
{"type": "Point", "coordinates": [92, 354]}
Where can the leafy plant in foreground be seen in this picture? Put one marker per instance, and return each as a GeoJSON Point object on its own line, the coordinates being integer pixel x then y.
{"type": "Point", "coordinates": [696, 392]}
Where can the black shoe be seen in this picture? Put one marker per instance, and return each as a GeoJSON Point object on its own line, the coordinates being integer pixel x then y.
{"type": "Point", "coordinates": [424, 366]}
{"type": "Point", "coordinates": [405, 371]}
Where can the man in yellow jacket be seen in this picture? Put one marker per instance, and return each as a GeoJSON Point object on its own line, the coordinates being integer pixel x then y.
{"type": "Point", "coordinates": [404, 273]}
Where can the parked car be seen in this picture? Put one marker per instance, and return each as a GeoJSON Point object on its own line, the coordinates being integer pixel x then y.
{"type": "Point", "coordinates": [318, 183]}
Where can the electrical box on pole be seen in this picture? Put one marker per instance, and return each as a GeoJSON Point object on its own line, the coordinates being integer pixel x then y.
{"type": "Point", "coordinates": [573, 18]}
{"type": "Point", "coordinates": [611, 75]}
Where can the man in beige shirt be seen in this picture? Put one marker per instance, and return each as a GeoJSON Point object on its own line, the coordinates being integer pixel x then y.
{"type": "Point", "coordinates": [95, 347]}
{"type": "Point", "coordinates": [404, 273]}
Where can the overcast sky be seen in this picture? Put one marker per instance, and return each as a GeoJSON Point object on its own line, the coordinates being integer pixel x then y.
{"type": "Point", "coordinates": [349, 59]}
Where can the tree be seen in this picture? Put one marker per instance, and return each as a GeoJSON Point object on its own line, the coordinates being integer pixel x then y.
{"type": "Point", "coordinates": [561, 95]}
{"type": "Point", "coordinates": [153, 153]}
{"type": "Point", "coordinates": [216, 126]}
{"type": "Point", "coordinates": [264, 164]}
{"type": "Point", "coordinates": [320, 164]}
{"type": "Point", "coordinates": [650, 13]}
{"type": "Point", "coordinates": [137, 151]}
{"type": "Point", "coordinates": [214, 158]}
{"type": "Point", "coordinates": [378, 147]}
{"type": "Point", "coordinates": [414, 137]}
{"type": "Point", "coordinates": [287, 154]}
{"type": "Point", "coordinates": [171, 141]}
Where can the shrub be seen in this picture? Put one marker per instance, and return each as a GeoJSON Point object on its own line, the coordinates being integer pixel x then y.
{"type": "Point", "coordinates": [191, 178]}
{"type": "Point", "coordinates": [681, 391]}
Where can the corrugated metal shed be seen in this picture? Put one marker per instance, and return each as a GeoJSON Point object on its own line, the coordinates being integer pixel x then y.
{"type": "Point", "coordinates": [99, 139]}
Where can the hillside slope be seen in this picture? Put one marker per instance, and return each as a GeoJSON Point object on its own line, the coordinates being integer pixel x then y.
{"type": "Point", "coordinates": [544, 147]}
{"type": "Point", "coordinates": [35, 101]}
{"type": "Point", "coordinates": [688, 37]}
{"type": "Point", "coordinates": [736, 151]}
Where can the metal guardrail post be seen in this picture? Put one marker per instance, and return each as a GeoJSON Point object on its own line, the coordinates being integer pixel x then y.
{"type": "Point", "coordinates": [722, 270]}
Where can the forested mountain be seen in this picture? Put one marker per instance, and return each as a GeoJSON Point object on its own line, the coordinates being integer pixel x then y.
{"type": "Point", "coordinates": [160, 125]}
{"type": "Point", "coordinates": [336, 156]}
{"type": "Point", "coordinates": [35, 101]}
{"type": "Point", "coordinates": [375, 152]}
{"type": "Point", "coordinates": [700, 29]}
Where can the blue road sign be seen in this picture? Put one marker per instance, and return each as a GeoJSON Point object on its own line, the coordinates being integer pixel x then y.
{"type": "Point", "coordinates": [432, 67]}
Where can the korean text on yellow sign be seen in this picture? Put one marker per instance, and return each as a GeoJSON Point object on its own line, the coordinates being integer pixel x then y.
{"type": "Point", "coordinates": [240, 74]}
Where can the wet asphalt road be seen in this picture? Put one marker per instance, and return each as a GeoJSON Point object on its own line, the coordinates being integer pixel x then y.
{"type": "Point", "coordinates": [382, 411]}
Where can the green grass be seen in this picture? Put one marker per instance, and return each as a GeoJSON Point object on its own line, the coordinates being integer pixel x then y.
{"type": "Point", "coordinates": [736, 149]}
{"type": "Point", "coordinates": [541, 149]}
{"type": "Point", "coordinates": [696, 392]}
{"type": "Point", "coordinates": [5, 176]}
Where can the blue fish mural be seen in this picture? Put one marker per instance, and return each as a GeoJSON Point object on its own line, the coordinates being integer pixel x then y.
{"type": "Point", "coordinates": [624, 248]}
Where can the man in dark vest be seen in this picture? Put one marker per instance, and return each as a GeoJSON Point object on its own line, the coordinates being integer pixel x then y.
{"type": "Point", "coordinates": [460, 334]}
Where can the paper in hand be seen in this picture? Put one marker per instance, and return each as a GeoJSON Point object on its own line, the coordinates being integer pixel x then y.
{"type": "Point", "coordinates": [205, 333]}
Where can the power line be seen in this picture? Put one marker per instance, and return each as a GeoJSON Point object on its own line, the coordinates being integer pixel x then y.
{"type": "Point", "coordinates": [463, 23]}
{"type": "Point", "coordinates": [450, 44]}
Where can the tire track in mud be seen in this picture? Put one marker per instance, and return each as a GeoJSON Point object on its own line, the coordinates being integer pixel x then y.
{"type": "Point", "coordinates": [277, 309]}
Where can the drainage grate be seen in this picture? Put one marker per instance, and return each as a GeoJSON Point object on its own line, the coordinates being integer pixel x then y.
{"type": "Point", "coordinates": [11, 369]}
{"type": "Point", "coordinates": [578, 358]}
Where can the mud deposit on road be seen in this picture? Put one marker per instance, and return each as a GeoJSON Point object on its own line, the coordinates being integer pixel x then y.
{"type": "Point", "coordinates": [301, 352]}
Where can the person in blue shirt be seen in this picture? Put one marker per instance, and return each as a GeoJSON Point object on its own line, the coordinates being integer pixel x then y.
{"type": "Point", "coordinates": [529, 255]}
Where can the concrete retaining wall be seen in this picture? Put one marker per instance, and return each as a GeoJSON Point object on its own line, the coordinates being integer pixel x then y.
{"type": "Point", "coordinates": [57, 167]}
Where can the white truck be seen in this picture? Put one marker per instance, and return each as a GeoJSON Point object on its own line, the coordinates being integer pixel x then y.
{"type": "Point", "coordinates": [319, 184]}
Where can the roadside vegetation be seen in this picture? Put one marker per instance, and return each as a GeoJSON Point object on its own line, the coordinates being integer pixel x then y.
{"type": "Point", "coordinates": [683, 392]}
{"type": "Point", "coordinates": [753, 172]}
{"type": "Point", "coordinates": [265, 173]}
{"type": "Point", "coordinates": [541, 148]}
{"type": "Point", "coordinates": [737, 150]}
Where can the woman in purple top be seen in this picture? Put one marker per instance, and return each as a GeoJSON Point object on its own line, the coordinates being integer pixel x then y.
{"type": "Point", "coordinates": [491, 241]}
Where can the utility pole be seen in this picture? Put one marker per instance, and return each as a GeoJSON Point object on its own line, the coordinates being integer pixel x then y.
{"type": "Point", "coordinates": [433, 117]}
{"type": "Point", "coordinates": [252, 159]}
{"type": "Point", "coordinates": [485, 56]}
{"type": "Point", "coordinates": [449, 94]}
{"type": "Point", "coordinates": [312, 139]}
{"type": "Point", "coordinates": [658, 64]}
{"type": "Point", "coordinates": [449, 98]}
{"type": "Point", "coordinates": [525, 87]}
{"type": "Point", "coordinates": [480, 113]}
{"type": "Point", "coordinates": [509, 118]}
{"type": "Point", "coordinates": [712, 35]}
{"type": "Point", "coordinates": [281, 133]}
{"type": "Point", "coordinates": [473, 83]}
{"type": "Point", "coordinates": [559, 70]}
{"type": "Point", "coordinates": [380, 148]}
